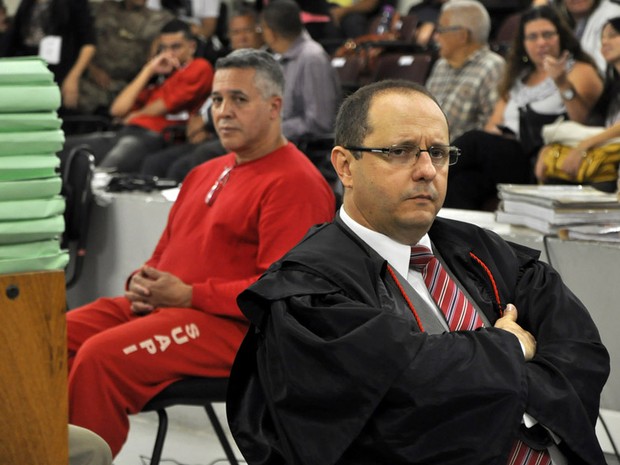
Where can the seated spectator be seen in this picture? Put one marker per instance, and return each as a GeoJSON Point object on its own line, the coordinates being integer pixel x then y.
{"type": "Point", "coordinates": [66, 26]}
{"type": "Point", "coordinates": [125, 31]}
{"type": "Point", "coordinates": [202, 143]}
{"type": "Point", "coordinates": [548, 73]}
{"type": "Point", "coordinates": [428, 14]}
{"type": "Point", "coordinates": [587, 17]}
{"type": "Point", "coordinates": [312, 91]}
{"type": "Point", "coordinates": [168, 88]}
{"type": "Point", "coordinates": [464, 80]}
{"type": "Point", "coordinates": [608, 106]}
{"type": "Point", "coordinates": [234, 216]}
{"type": "Point", "coordinates": [202, 15]}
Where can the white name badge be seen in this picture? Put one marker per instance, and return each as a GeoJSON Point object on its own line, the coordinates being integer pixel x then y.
{"type": "Point", "coordinates": [49, 49]}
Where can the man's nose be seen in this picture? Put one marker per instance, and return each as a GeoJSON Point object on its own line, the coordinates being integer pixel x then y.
{"type": "Point", "coordinates": [424, 167]}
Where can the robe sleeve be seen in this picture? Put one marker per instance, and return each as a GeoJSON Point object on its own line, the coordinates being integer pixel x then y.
{"type": "Point", "coordinates": [571, 365]}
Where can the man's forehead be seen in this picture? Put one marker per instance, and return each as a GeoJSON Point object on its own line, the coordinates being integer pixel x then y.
{"type": "Point", "coordinates": [241, 22]}
{"type": "Point", "coordinates": [172, 36]}
{"type": "Point", "coordinates": [410, 109]}
{"type": "Point", "coordinates": [237, 81]}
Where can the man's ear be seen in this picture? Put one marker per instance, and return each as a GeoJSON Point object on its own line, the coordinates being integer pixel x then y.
{"type": "Point", "coordinates": [341, 160]}
{"type": "Point", "coordinates": [193, 43]}
{"type": "Point", "coordinates": [276, 107]}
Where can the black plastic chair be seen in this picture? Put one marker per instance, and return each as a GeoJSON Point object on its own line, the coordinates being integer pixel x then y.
{"type": "Point", "coordinates": [412, 67]}
{"type": "Point", "coordinates": [77, 173]}
{"type": "Point", "coordinates": [201, 392]}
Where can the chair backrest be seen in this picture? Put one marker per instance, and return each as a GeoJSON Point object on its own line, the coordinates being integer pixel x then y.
{"type": "Point", "coordinates": [77, 172]}
{"type": "Point", "coordinates": [411, 66]}
{"type": "Point", "coordinates": [349, 69]}
{"type": "Point", "coordinates": [408, 26]}
{"type": "Point", "coordinates": [505, 34]}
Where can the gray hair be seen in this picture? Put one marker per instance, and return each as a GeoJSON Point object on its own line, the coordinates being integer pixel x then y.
{"type": "Point", "coordinates": [352, 124]}
{"type": "Point", "coordinates": [268, 79]}
{"type": "Point", "coordinates": [471, 15]}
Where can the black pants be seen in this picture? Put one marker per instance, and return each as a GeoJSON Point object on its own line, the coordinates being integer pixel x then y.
{"type": "Point", "coordinates": [176, 161]}
{"type": "Point", "coordinates": [486, 160]}
{"type": "Point", "coordinates": [121, 150]}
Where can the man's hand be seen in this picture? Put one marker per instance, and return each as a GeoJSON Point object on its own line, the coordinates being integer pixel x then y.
{"type": "Point", "coordinates": [508, 322]}
{"type": "Point", "coordinates": [164, 63]}
{"type": "Point", "coordinates": [151, 288]}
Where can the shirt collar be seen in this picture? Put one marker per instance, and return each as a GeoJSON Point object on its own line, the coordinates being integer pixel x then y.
{"type": "Point", "coordinates": [396, 254]}
{"type": "Point", "coordinates": [295, 47]}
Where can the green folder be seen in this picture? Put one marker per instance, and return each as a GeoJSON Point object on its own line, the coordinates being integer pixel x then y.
{"type": "Point", "coordinates": [30, 249]}
{"type": "Point", "coordinates": [29, 98]}
{"type": "Point", "coordinates": [57, 261]}
{"type": "Point", "coordinates": [16, 232]}
{"type": "Point", "coordinates": [31, 208]}
{"type": "Point", "coordinates": [30, 189]}
{"type": "Point", "coordinates": [28, 167]}
{"type": "Point", "coordinates": [27, 143]}
{"type": "Point", "coordinates": [35, 121]}
{"type": "Point", "coordinates": [24, 70]}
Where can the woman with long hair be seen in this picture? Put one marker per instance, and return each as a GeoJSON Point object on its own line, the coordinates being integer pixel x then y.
{"type": "Point", "coordinates": [547, 76]}
{"type": "Point", "coordinates": [587, 18]}
{"type": "Point", "coordinates": [607, 108]}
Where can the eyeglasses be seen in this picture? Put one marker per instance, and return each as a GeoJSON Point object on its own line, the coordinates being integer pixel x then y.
{"type": "Point", "coordinates": [444, 29]}
{"type": "Point", "coordinates": [408, 155]}
{"type": "Point", "coordinates": [546, 35]}
{"type": "Point", "coordinates": [217, 185]}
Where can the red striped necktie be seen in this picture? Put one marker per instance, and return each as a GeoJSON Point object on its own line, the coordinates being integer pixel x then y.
{"type": "Point", "coordinates": [462, 316]}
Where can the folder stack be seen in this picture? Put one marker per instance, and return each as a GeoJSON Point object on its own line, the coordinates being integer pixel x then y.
{"type": "Point", "coordinates": [31, 207]}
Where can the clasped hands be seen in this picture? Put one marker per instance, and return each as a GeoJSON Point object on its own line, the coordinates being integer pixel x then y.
{"type": "Point", "coordinates": [508, 322]}
{"type": "Point", "coordinates": [150, 288]}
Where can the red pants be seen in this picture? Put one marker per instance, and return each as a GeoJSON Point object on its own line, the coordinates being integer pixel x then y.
{"type": "Point", "coordinates": [119, 361]}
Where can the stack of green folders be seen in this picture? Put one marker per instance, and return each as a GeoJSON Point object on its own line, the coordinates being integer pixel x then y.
{"type": "Point", "coordinates": [31, 207]}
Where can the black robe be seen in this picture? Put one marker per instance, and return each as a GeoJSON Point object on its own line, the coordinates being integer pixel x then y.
{"type": "Point", "coordinates": [335, 370]}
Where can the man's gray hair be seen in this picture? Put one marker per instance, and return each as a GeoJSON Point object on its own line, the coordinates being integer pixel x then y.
{"type": "Point", "coordinates": [471, 15]}
{"type": "Point", "coordinates": [269, 78]}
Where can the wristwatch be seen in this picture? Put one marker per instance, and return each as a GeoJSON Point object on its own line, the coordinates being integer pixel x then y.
{"type": "Point", "coordinates": [568, 94]}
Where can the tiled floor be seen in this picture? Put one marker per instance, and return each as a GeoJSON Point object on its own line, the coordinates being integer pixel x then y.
{"type": "Point", "coordinates": [190, 439]}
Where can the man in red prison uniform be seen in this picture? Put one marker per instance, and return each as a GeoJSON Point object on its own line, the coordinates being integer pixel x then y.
{"type": "Point", "coordinates": [234, 216]}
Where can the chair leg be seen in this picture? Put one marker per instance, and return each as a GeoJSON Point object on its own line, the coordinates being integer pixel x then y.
{"type": "Point", "coordinates": [219, 431]}
{"type": "Point", "coordinates": [162, 428]}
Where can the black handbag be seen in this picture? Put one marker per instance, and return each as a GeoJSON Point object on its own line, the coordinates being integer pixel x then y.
{"type": "Point", "coordinates": [530, 128]}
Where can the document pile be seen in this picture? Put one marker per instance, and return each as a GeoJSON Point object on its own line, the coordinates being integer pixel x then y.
{"type": "Point", "coordinates": [556, 209]}
{"type": "Point", "coordinates": [31, 207]}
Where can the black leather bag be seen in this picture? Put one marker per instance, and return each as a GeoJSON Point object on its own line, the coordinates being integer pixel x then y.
{"type": "Point", "coordinates": [530, 128]}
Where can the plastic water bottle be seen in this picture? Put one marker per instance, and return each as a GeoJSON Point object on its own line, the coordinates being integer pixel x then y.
{"type": "Point", "coordinates": [386, 19]}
